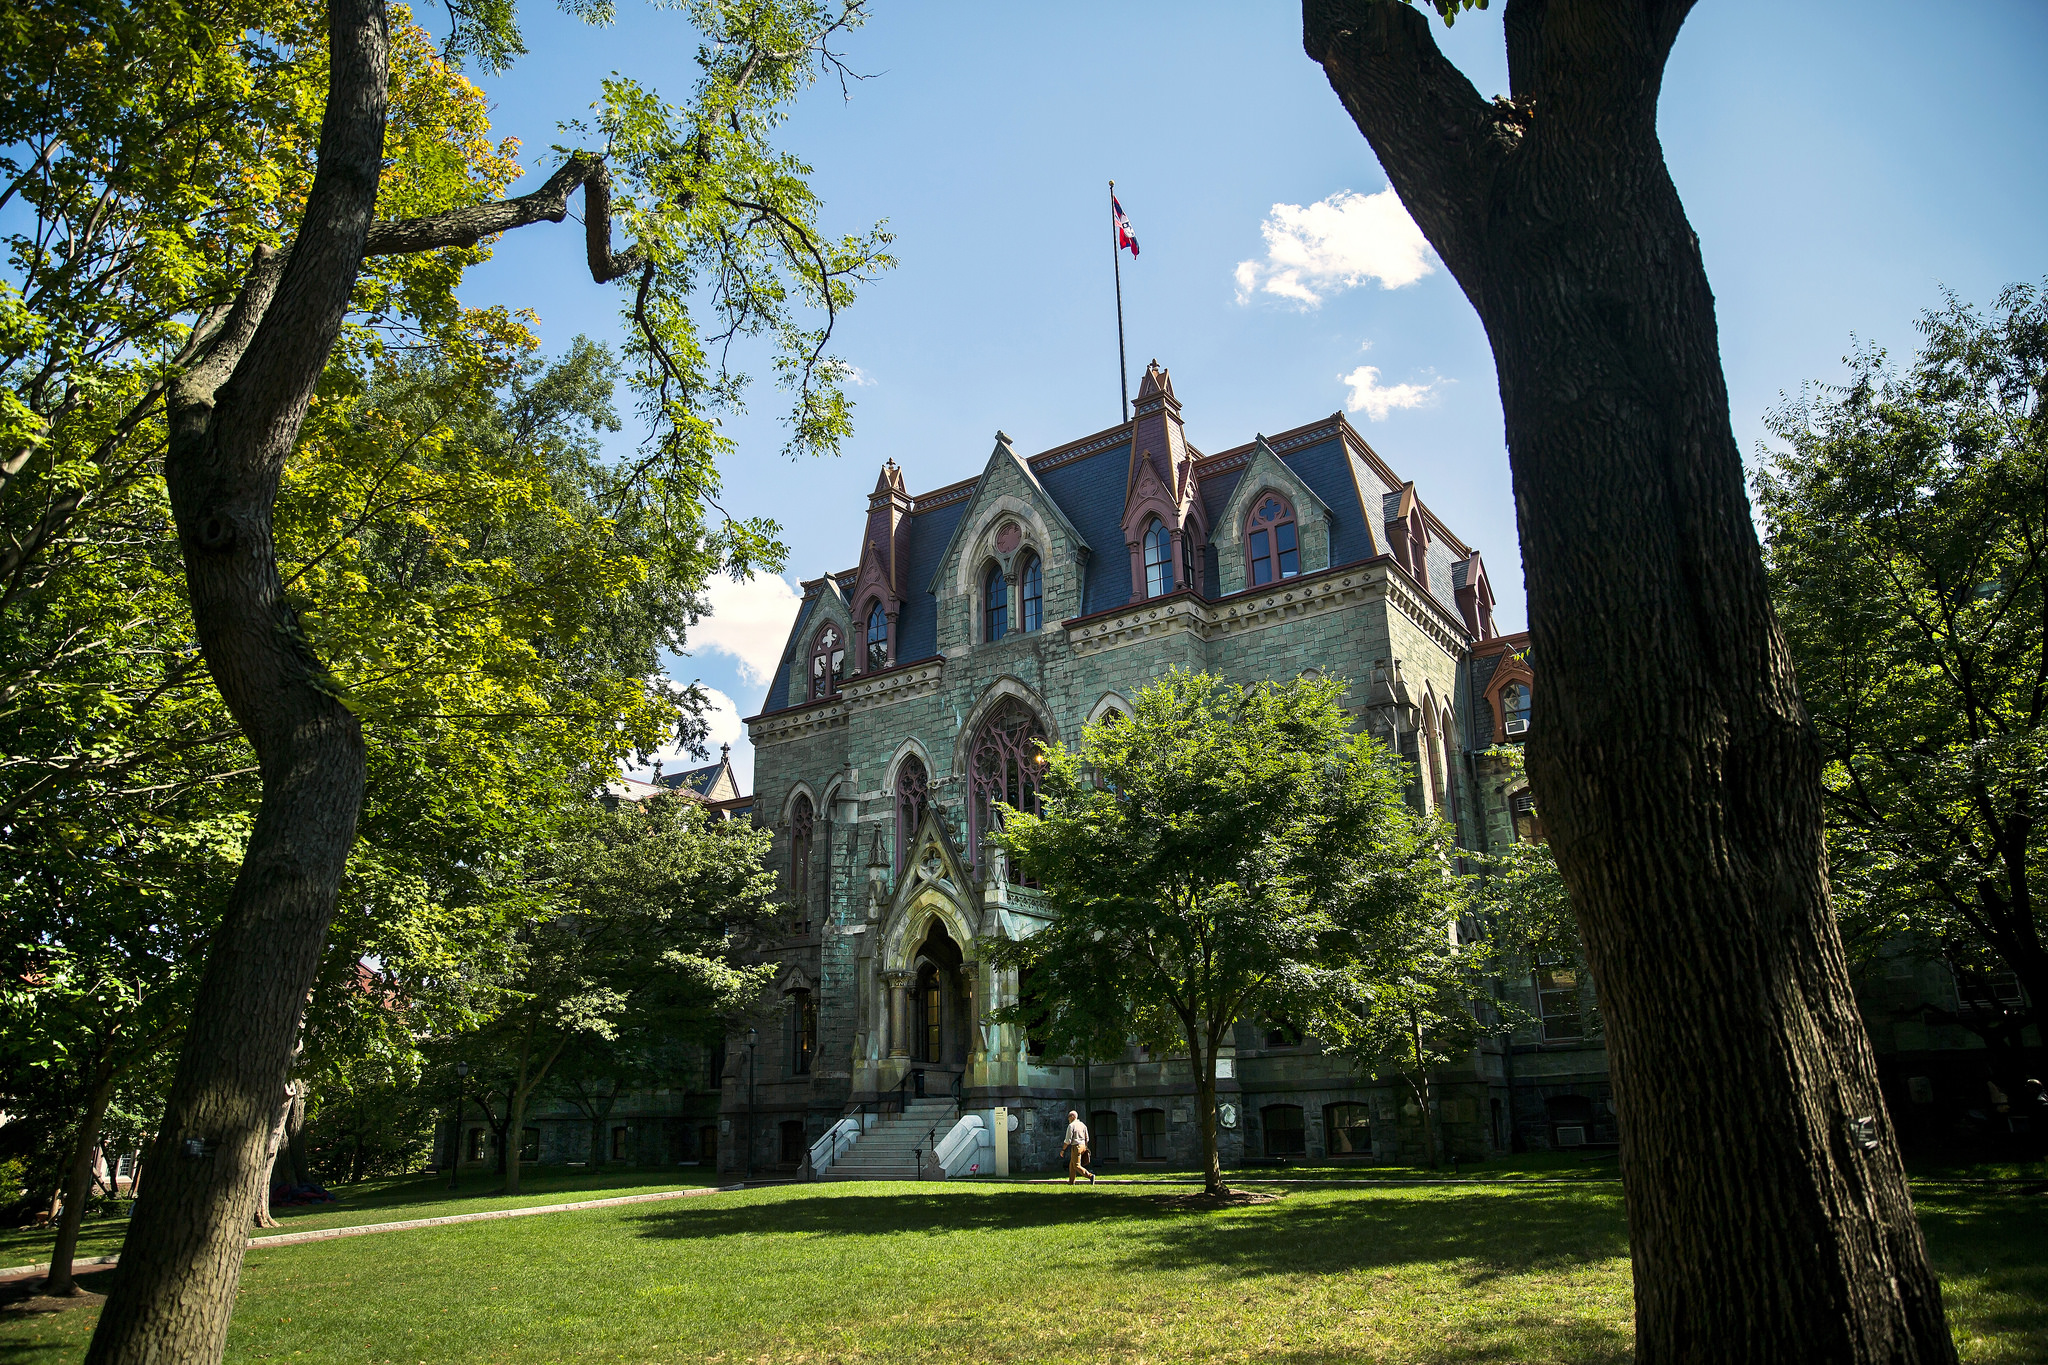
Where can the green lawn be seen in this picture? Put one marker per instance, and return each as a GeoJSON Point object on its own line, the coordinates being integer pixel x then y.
{"type": "Point", "coordinates": [388, 1201]}
{"type": "Point", "coordinates": [1530, 1273]}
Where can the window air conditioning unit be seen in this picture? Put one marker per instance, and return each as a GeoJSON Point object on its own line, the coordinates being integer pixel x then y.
{"type": "Point", "coordinates": [1518, 726]}
{"type": "Point", "coordinates": [1571, 1137]}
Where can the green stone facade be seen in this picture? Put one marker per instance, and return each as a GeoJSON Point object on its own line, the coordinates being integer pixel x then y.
{"type": "Point", "coordinates": [879, 974]}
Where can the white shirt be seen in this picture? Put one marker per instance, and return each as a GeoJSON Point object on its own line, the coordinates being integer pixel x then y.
{"type": "Point", "coordinates": [1077, 1133]}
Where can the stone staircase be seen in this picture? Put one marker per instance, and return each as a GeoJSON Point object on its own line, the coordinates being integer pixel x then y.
{"type": "Point", "coordinates": [884, 1152]}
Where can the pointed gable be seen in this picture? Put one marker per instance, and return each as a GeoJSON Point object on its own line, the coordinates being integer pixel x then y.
{"type": "Point", "coordinates": [882, 575]}
{"type": "Point", "coordinates": [1009, 480]}
{"type": "Point", "coordinates": [1161, 484]}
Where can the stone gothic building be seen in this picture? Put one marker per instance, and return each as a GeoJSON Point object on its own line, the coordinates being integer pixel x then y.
{"type": "Point", "coordinates": [1024, 603]}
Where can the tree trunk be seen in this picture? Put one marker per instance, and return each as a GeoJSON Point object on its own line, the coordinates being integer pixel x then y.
{"type": "Point", "coordinates": [264, 1219]}
{"type": "Point", "coordinates": [295, 1136]}
{"type": "Point", "coordinates": [1679, 775]}
{"type": "Point", "coordinates": [515, 1126]}
{"type": "Point", "coordinates": [78, 1181]}
{"type": "Point", "coordinates": [230, 436]}
{"type": "Point", "coordinates": [1203, 1063]}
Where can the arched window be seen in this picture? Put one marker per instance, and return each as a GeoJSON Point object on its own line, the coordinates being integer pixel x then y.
{"type": "Point", "coordinates": [913, 786]}
{"type": "Point", "coordinates": [1004, 766]}
{"type": "Point", "coordinates": [1031, 594]}
{"type": "Point", "coordinates": [995, 605]}
{"type": "Point", "coordinates": [1158, 559]}
{"type": "Point", "coordinates": [878, 638]}
{"type": "Point", "coordinates": [802, 822]}
{"type": "Point", "coordinates": [1270, 547]}
{"type": "Point", "coordinates": [828, 662]}
{"type": "Point", "coordinates": [803, 1032]}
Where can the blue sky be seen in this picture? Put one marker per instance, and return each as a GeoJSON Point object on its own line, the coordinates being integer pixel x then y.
{"type": "Point", "coordinates": [1842, 162]}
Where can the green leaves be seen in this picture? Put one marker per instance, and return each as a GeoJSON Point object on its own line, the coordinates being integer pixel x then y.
{"type": "Point", "coordinates": [1907, 541]}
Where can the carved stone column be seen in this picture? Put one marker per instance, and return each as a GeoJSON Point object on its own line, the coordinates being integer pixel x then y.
{"type": "Point", "coordinates": [899, 1001]}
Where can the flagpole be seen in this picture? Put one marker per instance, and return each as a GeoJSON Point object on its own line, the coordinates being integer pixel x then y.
{"type": "Point", "coordinates": [1123, 369]}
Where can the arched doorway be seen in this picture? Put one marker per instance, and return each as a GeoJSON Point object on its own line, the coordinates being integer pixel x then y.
{"type": "Point", "coordinates": [939, 1024]}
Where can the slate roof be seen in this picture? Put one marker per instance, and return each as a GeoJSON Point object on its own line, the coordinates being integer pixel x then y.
{"type": "Point", "coordinates": [1087, 480]}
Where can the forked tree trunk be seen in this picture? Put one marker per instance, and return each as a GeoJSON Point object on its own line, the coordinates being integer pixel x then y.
{"type": "Point", "coordinates": [1768, 1211]}
{"type": "Point", "coordinates": [78, 1180]}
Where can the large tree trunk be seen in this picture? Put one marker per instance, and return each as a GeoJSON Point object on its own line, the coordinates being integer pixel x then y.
{"type": "Point", "coordinates": [230, 436]}
{"type": "Point", "coordinates": [1679, 776]}
{"type": "Point", "coordinates": [78, 1180]}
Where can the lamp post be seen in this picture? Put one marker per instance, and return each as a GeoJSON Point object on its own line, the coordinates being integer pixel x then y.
{"type": "Point", "coordinates": [753, 1037]}
{"type": "Point", "coordinates": [455, 1137]}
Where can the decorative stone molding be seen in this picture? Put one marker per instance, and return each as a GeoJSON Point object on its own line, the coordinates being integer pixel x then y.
{"type": "Point", "coordinates": [891, 686]}
{"type": "Point", "coordinates": [781, 727]}
{"type": "Point", "coordinates": [1308, 596]}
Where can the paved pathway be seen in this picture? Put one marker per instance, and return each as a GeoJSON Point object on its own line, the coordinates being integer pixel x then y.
{"type": "Point", "coordinates": [90, 1263]}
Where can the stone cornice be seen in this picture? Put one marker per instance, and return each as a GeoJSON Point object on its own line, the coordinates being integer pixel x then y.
{"type": "Point", "coordinates": [866, 691]}
{"type": "Point", "coordinates": [1310, 595]}
{"type": "Point", "coordinates": [798, 722]}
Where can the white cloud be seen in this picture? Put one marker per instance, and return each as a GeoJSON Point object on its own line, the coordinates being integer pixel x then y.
{"type": "Point", "coordinates": [1376, 400]}
{"type": "Point", "coordinates": [1337, 244]}
{"type": "Point", "coordinates": [749, 622]}
{"type": "Point", "coordinates": [852, 374]}
{"type": "Point", "coordinates": [723, 720]}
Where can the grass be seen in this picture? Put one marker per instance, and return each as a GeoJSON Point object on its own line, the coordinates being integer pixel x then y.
{"type": "Point", "coordinates": [1015, 1273]}
{"type": "Point", "coordinates": [399, 1197]}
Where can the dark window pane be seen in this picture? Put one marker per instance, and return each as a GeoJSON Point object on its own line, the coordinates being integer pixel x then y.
{"type": "Point", "coordinates": [1034, 596]}
{"type": "Point", "coordinates": [1151, 1134]}
{"type": "Point", "coordinates": [1285, 1135]}
{"type": "Point", "coordinates": [1349, 1128]}
{"type": "Point", "coordinates": [995, 605]}
{"type": "Point", "coordinates": [1262, 559]}
{"type": "Point", "coordinates": [1290, 561]}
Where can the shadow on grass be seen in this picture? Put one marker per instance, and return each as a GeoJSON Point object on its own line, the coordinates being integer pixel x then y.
{"type": "Point", "coordinates": [1487, 1235]}
{"type": "Point", "coordinates": [1990, 1248]}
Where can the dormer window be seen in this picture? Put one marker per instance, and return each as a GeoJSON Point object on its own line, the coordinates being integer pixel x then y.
{"type": "Point", "coordinates": [995, 605]}
{"type": "Point", "coordinates": [828, 662]}
{"type": "Point", "coordinates": [1271, 544]}
{"type": "Point", "coordinates": [1158, 559]}
{"type": "Point", "coordinates": [878, 638]}
{"type": "Point", "coordinates": [1514, 708]}
{"type": "Point", "coordinates": [1031, 594]}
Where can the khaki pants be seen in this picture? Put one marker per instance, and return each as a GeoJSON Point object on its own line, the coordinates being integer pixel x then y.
{"type": "Point", "coordinates": [1077, 1157]}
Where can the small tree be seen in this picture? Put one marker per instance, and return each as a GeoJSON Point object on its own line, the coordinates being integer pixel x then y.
{"type": "Point", "coordinates": [635, 929]}
{"type": "Point", "coordinates": [1214, 856]}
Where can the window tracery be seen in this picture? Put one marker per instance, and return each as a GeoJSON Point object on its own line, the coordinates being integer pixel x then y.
{"type": "Point", "coordinates": [828, 661]}
{"type": "Point", "coordinates": [802, 828]}
{"type": "Point", "coordinates": [913, 790]}
{"type": "Point", "coordinates": [1004, 766]}
{"type": "Point", "coordinates": [1271, 542]}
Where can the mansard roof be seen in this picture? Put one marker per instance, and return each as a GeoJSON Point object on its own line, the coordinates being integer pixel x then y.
{"type": "Point", "coordinates": [1087, 481]}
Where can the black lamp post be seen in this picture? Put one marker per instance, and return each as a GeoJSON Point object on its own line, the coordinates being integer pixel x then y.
{"type": "Point", "coordinates": [753, 1037]}
{"type": "Point", "coordinates": [455, 1137]}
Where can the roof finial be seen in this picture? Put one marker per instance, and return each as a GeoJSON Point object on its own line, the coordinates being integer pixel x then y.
{"type": "Point", "coordinates": [725, 753]}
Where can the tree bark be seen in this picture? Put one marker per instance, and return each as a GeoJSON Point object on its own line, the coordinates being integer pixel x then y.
{"type": "Point", "coordinates": [264, 1218]}
{"type": "Point", "coordinates": [1203, 1063]}
{"type": "Point", "coordinates": [234, 420]}
{"type": "Point", "coordinates": [1679, 774]}
{"type": "Point", "coordinates": [78, 1180]}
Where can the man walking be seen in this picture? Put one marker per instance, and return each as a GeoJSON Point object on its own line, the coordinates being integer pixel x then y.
{"type": "Point", "coordinates": [1076, 1149]}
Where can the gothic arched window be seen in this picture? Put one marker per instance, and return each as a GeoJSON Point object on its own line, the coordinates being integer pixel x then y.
{"type": "Point", "coordinates": [1004, 766]}
{"type": "Point", "coordinates": [802, 826]}
{"type": "Point", "coordinates": [878, 638]}
{"type": "Point", "coordinates": [995, 605]}
{"type": "Point", "coordinates": [1158, 559]}
{"type": "Point", "coordinates": [1031, 595]}
{"type": "Point", "coordinates": [1271, 547]}
{"type": "Point", "coordinates": [913, 789]}
{"type": "Point", "coordinates": [828, 661]}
